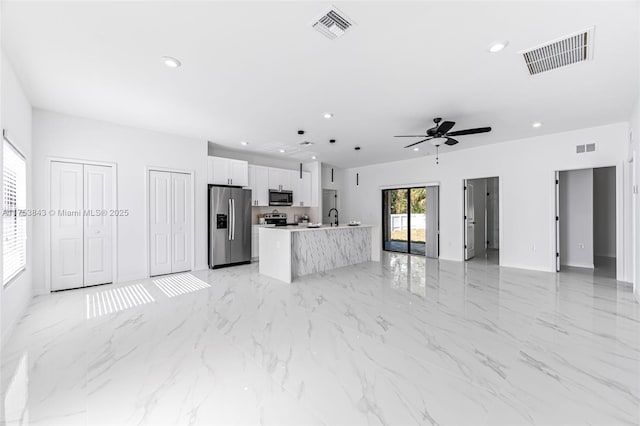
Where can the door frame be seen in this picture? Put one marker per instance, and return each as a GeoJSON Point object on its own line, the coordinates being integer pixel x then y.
{"type": "Point", "coordinates": [114, 219]}
{"type": "Point", "coordinates": [409, 187]}
{"type": "Point", "coordinates": [500, 216]}
{"type": "Point", "coordinates": [621, 256]}
{"type": "Point", "coordinates": [147, 200]}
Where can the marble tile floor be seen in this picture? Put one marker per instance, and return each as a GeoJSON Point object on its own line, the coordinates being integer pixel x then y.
{"type": "Point", "coordinates": [407, 340]}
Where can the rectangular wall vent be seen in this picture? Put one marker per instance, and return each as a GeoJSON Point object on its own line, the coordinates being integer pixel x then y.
{"type": "Point", "coordinates": [332, 24]}
{"type": "Point", "coordinates": [581, 149]}
{"type": "Point", "coordinates": [567, 50]}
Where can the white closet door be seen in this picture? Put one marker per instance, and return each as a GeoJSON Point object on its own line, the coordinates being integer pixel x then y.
{"type": "Point", "coordinates": [181, 222]}
{"type": "Point", "coordinates": [98, 232]}
{"type": "Point", "coordinates": [159, 223]}
{"type": "Point", "coordinates": [66, 226]}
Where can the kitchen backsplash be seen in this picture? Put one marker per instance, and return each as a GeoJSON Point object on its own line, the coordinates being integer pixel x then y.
{"type": "Point", "coordinates": [312, 212]}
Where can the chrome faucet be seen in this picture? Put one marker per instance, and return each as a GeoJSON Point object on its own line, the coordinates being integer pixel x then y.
{"type": "Point", "coordinates": [336, 210]}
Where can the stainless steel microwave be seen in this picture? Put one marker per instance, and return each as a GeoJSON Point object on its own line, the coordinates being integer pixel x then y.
{"type": "Point", "coordinates": [280, 198]}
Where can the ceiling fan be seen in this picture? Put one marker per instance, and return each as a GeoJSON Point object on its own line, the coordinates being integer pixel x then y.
{"type": "Point", "coordinates": [441, 133]}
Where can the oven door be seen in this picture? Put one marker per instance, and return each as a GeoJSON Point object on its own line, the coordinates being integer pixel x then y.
{"type": "Point", "coordinates": [280, 198]}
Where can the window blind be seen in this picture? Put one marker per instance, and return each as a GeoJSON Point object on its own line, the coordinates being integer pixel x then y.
{"type": "Point", "coordinates": [14, 221]}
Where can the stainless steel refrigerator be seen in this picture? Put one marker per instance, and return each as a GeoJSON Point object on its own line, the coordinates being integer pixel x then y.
{"type": "Point", "coordinates": [229, 226]}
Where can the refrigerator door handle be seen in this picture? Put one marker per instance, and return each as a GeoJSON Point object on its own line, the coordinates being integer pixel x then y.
{"type": "Point", "coordinates": [229, 224]}
{"type": "Point", "coordinates": [233, 203]}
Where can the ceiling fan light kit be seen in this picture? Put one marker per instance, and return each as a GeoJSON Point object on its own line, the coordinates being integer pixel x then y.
{"type": "Point", "coordinates": [441, 134]}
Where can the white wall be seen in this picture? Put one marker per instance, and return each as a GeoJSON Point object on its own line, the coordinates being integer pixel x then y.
{"type": "Point", "coordinates": [576, 218]}
{"type": "Point", "coordinates": [634, 197]}
{"type": "Point", "coordinates": [633, 156]}
{"type": "Point", "coordinates": [526, 169]}
{"type": "Point", "coordinates": [604, 212]}
{"type": "Point", "coordinates": [16, 119]}
{"type": "Point", "coordinates": [59, 135]}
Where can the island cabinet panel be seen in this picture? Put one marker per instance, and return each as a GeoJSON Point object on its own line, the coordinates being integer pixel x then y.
{"type": "Point", "coordinates": [289, 252]}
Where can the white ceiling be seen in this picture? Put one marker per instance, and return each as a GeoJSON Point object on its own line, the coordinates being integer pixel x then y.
{"type": "Point", "coordinates": [256, 71]}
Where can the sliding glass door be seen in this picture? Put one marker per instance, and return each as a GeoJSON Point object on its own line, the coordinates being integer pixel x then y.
{"type": "Point", "coordinates": [407, 225]}
{"type": "Point", "coordinates": [395, 205]}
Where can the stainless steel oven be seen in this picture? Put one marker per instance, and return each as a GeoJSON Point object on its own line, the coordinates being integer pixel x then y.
{"type": "Point", "coordinates": [280, 198]}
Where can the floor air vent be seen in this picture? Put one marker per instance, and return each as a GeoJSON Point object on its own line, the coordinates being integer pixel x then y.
{"type": "Point", "coordinates": [571, 49]}
{"type": "Point", "coordinates": [332, 24]}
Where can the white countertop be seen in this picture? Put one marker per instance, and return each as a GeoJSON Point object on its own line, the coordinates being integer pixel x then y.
{"type": "Point", "coordinates": [322, 228]}
{"type": "Point", "coordinates": [263, 225]}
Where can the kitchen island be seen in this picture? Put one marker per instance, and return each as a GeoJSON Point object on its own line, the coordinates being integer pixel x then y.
{"type": "Point", "coordinates": [287, 252]}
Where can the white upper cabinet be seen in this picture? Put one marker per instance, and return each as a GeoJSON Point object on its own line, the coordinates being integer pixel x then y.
{"type": "Point", "coordinates": [238, 172]}
{"type": "Point", "coordinates": [259, 184]}
{"type": "Point", "coordinates": [302, 189]}
{"type": "Point", "coordinates": [280, 179]}
{"type": "Point", "coordinates": [260, 179]}
{"type": "Point", "coordinates": [226, 171]}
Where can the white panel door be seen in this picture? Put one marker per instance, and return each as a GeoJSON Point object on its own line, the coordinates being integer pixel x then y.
{"type": "Point", "coordinates": [181, 222]}
{"type": "Point", "coordinates": [557, 221]}
{"type": "Point", "coordinates": [160, 258]}
{"type": "Point", "coordinates": [66, 226]}
{"type": "Point", "coordinates": [469, 222]}
{"type": "Point", "coordinates": [98, 223]}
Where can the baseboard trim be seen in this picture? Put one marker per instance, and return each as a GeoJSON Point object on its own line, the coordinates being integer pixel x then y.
{"type": "Point", "coordinates": [584, 266]}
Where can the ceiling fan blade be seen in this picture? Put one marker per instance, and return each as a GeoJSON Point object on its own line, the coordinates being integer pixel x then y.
{"type": "Point", "coordinates": [410, 136]}
{"type": "Point", "coordinates": [470, 131]}
{"type": "Point", "coordinates": [445, 126]}
{"type": "Point", "coordinates": [416, 143]}
{"type": "Point", "coordinates": [451, 142]}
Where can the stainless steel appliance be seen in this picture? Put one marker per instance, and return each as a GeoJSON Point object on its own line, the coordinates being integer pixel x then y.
{"type": "Point", "coordinates": [229, 226]}
{"type": "Point", "coordinates": [280, 198]}
{"type": "Point", "coordinates": [277, 219]}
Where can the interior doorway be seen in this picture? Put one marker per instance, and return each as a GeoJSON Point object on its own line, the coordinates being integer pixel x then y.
{"type": "Point", "coordinates": [586, 220]}
{"type": "Point", "coordinates": [329, 201]}
{"type": "Point", "coordinates": [482, 219]}
{"type": "Point", "coordinates": [410, 220]}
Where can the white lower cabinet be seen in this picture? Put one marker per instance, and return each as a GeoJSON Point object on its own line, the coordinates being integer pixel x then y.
{"type": "Point", "coordinates": [255, 233]}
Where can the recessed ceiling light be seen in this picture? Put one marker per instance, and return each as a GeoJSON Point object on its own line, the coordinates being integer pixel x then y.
{"type": "Point", "coordinates": [416, 149]}
{"type": "Point", "coordinates": [244, 143]}
{"type": "Point", "coordinates": [537, 124]}
{"type": "Point", "coordinates": [497, 46]}
{"type": "Point", "coordinates": [282, 151]}
{"type": "Point", "coordinates": [313, 157]}
{"type": "Point", "coordinates": [171, 62]}
{"type": "Point", "coordinates": [327, 115]}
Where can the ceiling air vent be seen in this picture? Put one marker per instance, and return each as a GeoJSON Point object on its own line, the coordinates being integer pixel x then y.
{"type": "Point", "coordinates": [332, 24]}
{"type": "Point", "coordinates": [567, 50]}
